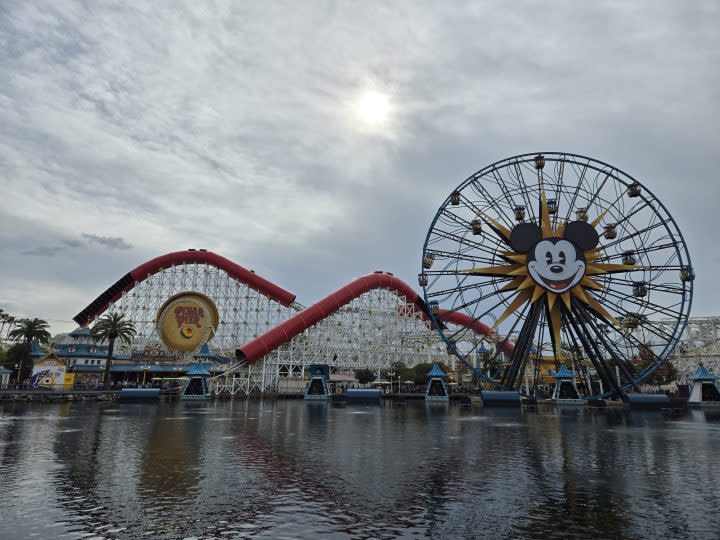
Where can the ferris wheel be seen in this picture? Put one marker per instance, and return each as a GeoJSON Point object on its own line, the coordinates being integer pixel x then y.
{"type": "Point", "coordinates": [571, 261]}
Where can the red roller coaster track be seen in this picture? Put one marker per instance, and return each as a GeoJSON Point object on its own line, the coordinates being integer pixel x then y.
{"type": "Point", "coordinates": [142, 272]}
{"type": "Point", "coordinates": [284, 332]}
{"type": "Point", "coordinates": [274, 338]}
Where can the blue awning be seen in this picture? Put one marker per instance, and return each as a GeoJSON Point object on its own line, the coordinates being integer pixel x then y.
{"type": "Point", "coordinates": [198, 370]}
{"type": "Point", "coordinates": [563, 373]}
{"type": "Point", "coordinates": [702, 374]}
{"type": "Point", "coordinates": [436, 371]}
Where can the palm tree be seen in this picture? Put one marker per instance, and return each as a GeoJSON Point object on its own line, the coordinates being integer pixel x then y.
{"type": "Point", "coordinates": [11, 324]}
{"type": "Point", "coordinates": [110, 328]}
{"type": "Point", "coordinates": [27, 330]}
{"type": "Point", "coordinates": [4, 320]}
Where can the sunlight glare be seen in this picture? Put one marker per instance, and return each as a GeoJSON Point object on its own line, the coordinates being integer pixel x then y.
{"type": "Point", "coordinates": [373, 108]}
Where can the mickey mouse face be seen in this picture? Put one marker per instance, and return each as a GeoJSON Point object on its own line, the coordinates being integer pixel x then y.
{"type": "Point", "coordinates": [557, 264]}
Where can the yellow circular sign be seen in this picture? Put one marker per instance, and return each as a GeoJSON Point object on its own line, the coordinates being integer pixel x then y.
{"type": "Point", "coordinates": [187, 320]}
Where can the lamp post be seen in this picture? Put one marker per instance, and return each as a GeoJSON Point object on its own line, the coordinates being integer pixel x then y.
{"type": "Point", "coordinates": [392, 376]}
{"type": "Point", "coordinates": [17, 377]}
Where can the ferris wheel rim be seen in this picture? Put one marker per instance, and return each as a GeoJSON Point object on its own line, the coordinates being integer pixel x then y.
{"type": "Point", "coordinates": [620, 176]}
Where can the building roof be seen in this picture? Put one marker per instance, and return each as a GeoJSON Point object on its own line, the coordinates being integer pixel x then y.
{"type": "Point", "coordinates": [36, 350]}
{"type": "Point", "coordinates": [563, 373]}
{"type": "Point", "coordinates": [81, 332]}
{"type": "Point", "coordinates": [204, 352]}
{"type": "Point", "coordinates": [83, 350]}
{"type": "Point", "coordinates": [88, 368]}
{"type": "Point", "coordinates": [5, 370]}
{"type": "Point", "coordinates": [197, 370]}
{"type": "Point", "coordinates": [702, 374]}
{"type": "Point", "coordinates": [436, 371]}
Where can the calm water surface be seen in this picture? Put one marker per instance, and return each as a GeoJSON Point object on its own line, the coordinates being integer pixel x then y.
{"type": "Point", "coordinates": [289, 469]}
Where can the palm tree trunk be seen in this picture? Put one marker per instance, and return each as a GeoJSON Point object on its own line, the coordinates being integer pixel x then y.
{"type": "Point", "coordinates": [22, 360]}
{"type": "Point", "coordinates": [108, 363]}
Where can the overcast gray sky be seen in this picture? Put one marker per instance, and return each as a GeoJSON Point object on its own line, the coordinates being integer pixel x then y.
{"type": "Point", "coordinates": [128, 130]}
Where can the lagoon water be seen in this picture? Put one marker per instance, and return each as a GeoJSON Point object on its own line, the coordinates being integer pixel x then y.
{"type": "Point", "coordinates": [290, 469]}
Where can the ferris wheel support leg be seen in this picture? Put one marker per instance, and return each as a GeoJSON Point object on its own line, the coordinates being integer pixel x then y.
{"type": "Point", "coordinates": [619, 362]}
{"type": "Point", "coordinates": [595, 357]}
{"type": "Point", "coordinates": [513, 373]}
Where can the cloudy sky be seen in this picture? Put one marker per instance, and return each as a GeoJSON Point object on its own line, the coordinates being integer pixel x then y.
{"type": "Point", "coordinates": [132, 129]}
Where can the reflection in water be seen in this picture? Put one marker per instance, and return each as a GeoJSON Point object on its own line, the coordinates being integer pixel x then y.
{"type": "Point", "coordinates": [274, 469]}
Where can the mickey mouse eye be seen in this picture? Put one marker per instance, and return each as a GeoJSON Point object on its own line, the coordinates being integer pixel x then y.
{"type": "Point", "coordinates": [562, 257]}
{"type": "Point", "coordinates": [548, 256]}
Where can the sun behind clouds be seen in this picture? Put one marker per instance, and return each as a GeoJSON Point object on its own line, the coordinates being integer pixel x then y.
{"type": "Point", "coordinates": [373, 109]}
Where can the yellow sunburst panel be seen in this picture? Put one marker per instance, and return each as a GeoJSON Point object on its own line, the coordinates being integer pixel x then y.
{"type": "Point", "coordinates": [522, 298]}
{"type": "Point", "coordinates": [530, 291]}
{"type": "Point", "coordinates": [590, 283]}
{"type": "Point", "coordinates": [503, 230]}
{"type": "Point", "coordinates": [545, 225]}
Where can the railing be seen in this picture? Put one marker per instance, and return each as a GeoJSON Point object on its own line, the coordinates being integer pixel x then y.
{"type": "Point", "coordinates": [57, 388]}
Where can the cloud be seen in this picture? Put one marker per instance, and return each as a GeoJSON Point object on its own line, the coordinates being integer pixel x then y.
{"type": "Point", "coordinates": [230, 127]}
{"type": "Point", "coordinates": [112, 242]}
{"type": "Point", "coordinates": [43, 251]}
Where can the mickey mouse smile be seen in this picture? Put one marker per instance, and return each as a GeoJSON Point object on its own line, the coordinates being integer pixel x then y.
{"type": "Point", "coordinates": [557, 285]}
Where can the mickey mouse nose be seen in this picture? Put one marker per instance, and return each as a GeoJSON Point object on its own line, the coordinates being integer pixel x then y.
{"type": "Point", "coordinates": [556, 268]}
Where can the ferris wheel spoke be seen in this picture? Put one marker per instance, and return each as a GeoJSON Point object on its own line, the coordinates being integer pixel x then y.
{"type": "Point", "coordinates": [644, 304]}
{"type": "Point", "coordinates": [459, 255]}
{"type": "Point", "coordinates": [559, 176]}
{"type": "Point", "coordinates": [581, 182]}
{"type": "Point", "coordinates": [599, 189]}
{"type": "Point", "coordinates": [638, 251]}
{"type": "Point", "coordinates": [481, 191]}
{"type": "Point", "coordinates": [509, 333]}
{"type": "Point", "coordinates": [660, 287]}
{"type": "Point", "coordinates": [524, 191]}
{"type": "Point", "coordinates": [458, 289]}
{"type": "Point", "coordinates": [593, 353]}
{"type": "Point", "coordinates": [633, 235]}
{"type": "Point", "coordinates": [523, 345]}
{"type": "Point", "coordinates": [462, 240]}
{"type": "Point", "coordinates": [636, 210]}
{"type": "Point", "coordinates": [479, 318]}
{"type": "Point", "coordinates": [632, 342]}
{"type": "Point", "coordinates": [586, 317]}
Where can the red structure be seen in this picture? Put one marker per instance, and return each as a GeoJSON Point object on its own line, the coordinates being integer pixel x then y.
{"type": "Point", "coordinates": [282, 329]}
{"type": "Point", "coordinates": [129, 280]}
{"type": "Point", "coordinates": [266, 343]}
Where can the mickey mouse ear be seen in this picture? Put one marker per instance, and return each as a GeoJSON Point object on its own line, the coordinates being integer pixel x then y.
{"type": "Point", "coordinates": [582, 234]}
{"type": "Point", "coordinates": [524, 236]}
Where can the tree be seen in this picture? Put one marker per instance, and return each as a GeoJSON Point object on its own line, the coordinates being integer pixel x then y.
{"type": "Point", "coordinates": [111, 328]}
{"type": "Point", "coordinates": [15, 356]}
{"type": "Point", "coordinates": [27, 330]}
{"type": "Point", "coordinates": [401, 371]}
{"type": "Point", "coordinates": [6, 321]}
{"type": "Point", "coordinates": [420, 372]}
{"type": "Point", "coordinates": [490, 362]}
{"type": "Point", "coordinates": [665, 374]}
{"type": "Point", "coordinates": [364, 376]}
